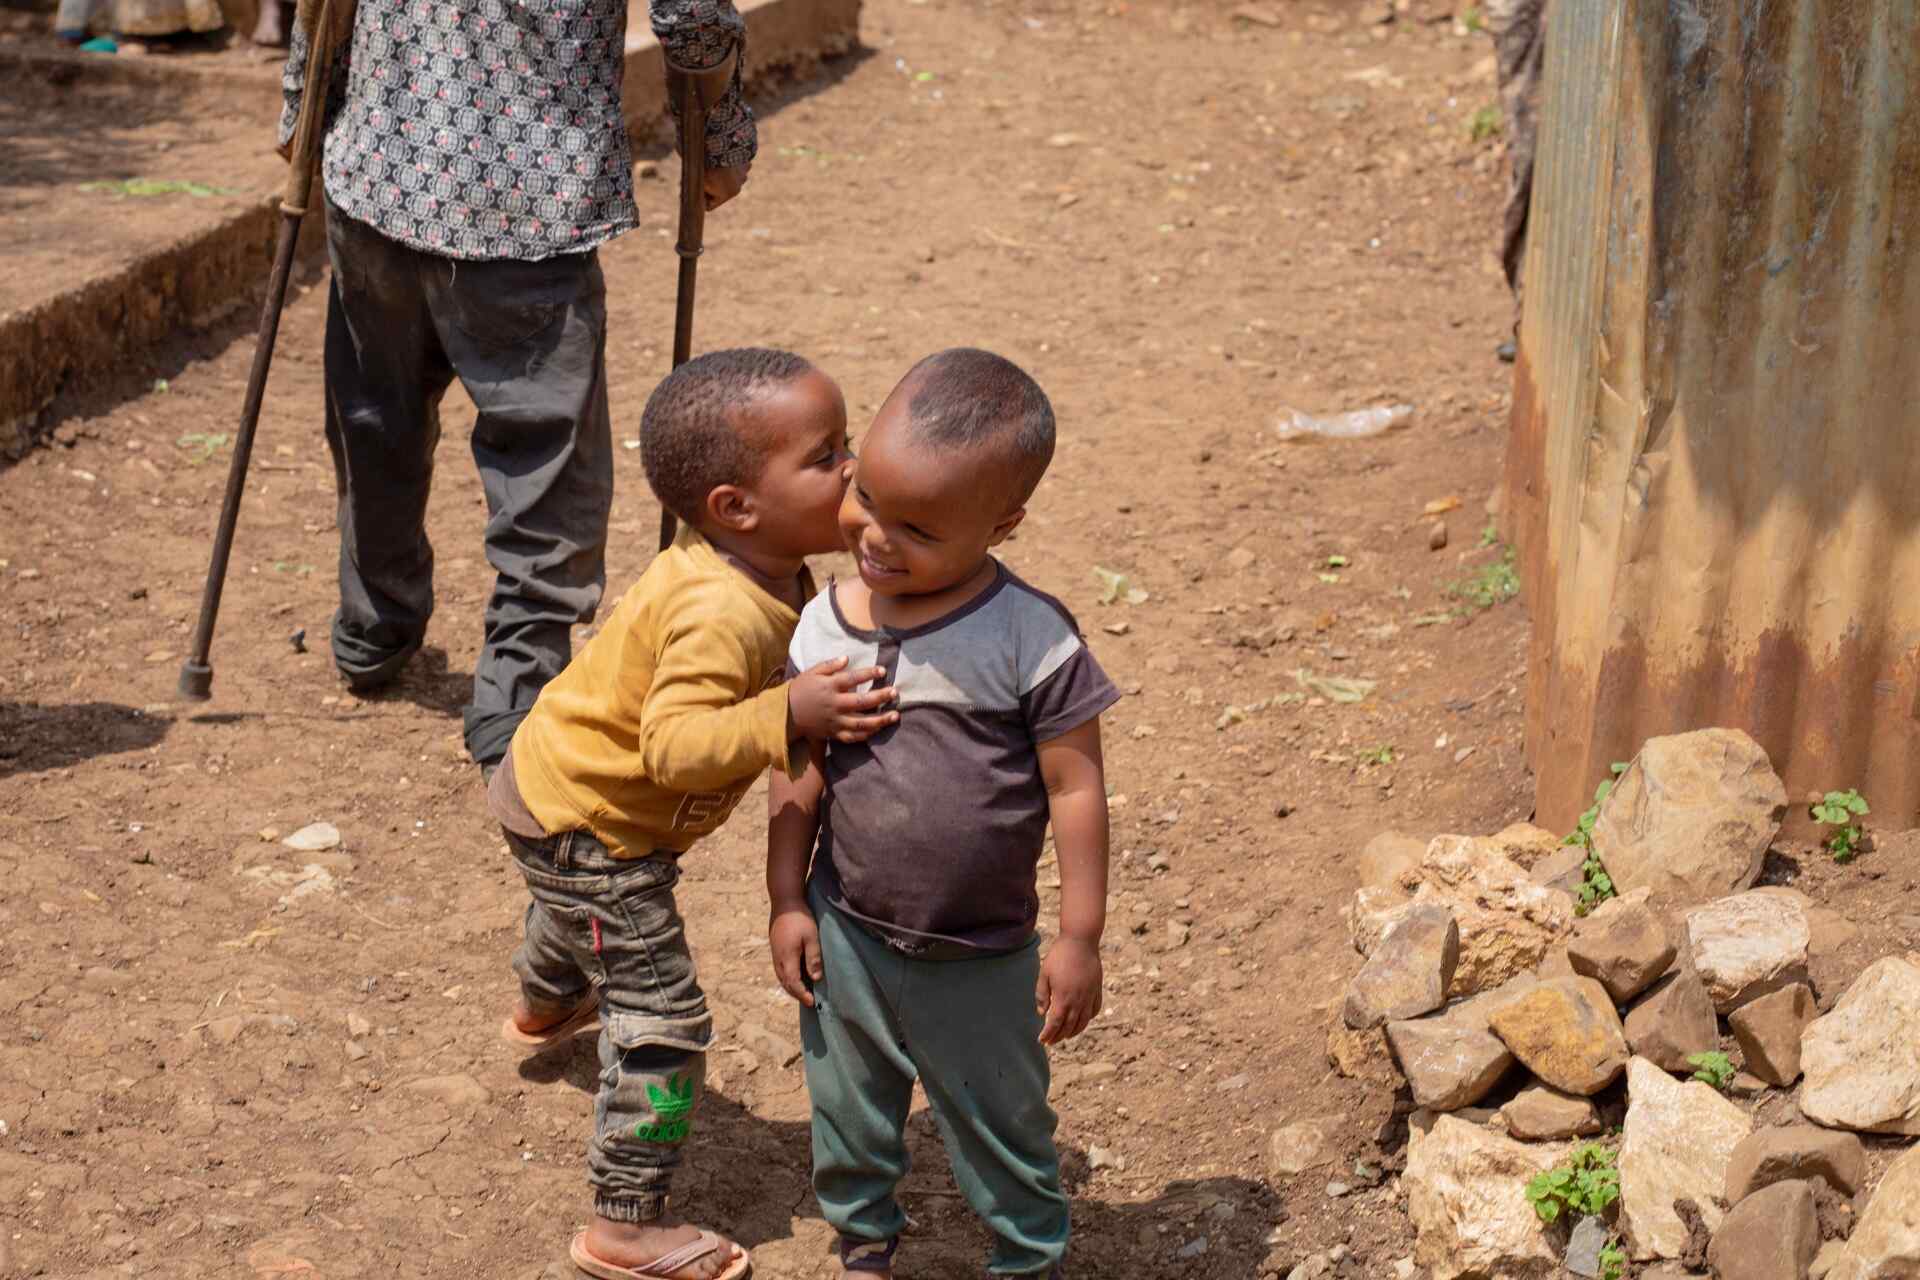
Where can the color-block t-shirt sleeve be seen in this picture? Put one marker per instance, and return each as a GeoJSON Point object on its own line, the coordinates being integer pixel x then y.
{"type": "Point", "coordinates": [1061, 685]}
{"type": "Point", "coordinates": [812, 642]}
{"type": "Point", "coordinates": [1075, 692]}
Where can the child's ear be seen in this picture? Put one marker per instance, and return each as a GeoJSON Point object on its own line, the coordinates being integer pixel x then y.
{"type": "Point", "coordinates": [733, 509]}
{"type": "Point", "coordinates": [1004, 530]}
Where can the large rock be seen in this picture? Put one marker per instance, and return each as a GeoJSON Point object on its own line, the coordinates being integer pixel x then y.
{"type": "Point", "coordinates": [1507, 922]}
{"type": "Point", "coordinates": [1540, 1114]}
{"type": "Point", "coordinates": [1674, 1021]}
{"type": "Point", "coordinates": [1692, 817]}
{"type": "Point", "coordinates": [1527, 844]}
{"type": "Point", "coordinates": [1748, 945]}
{"type": "Point", "coordinates": [1771, 1235]}
{"type": "Point", "coordinates": [1372, 912]}
{"type": "Point", "coordinates": [1408, 973]}
{"type": "Point", "coordinates": [1360, 1055]}
{"type": "Point", "coordinates": [1796, 1152]}
{"type": "Point", "coordinates": [1466, 1195]}
{"type": "Point", "coordinates": [1885, 1245]}
{"type": "Point", "coordinates": [1566, 1032]}
{"type": "Point", "coordinates": [1389, 858]}
{"type": "Point", "coordinates": [1832, 932]}
{"type": "Point", "coordinates": [1862, 1061]}
{"type": "Point", "coordinates": [1564, 869]}
{"type": "Point", "coordinates": [1451, 1060]}
{"type": "Point", "coordinates": [1555, 965]}
{"type": "Point", "coordinates": [1623, 946]}
{"type": "Point", "coordinates": [1679, 1141]}
{"type": "Point", "coordinates": [1769, 1031]}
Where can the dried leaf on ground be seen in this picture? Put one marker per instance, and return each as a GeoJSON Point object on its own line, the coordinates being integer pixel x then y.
{"type": "Point", "coordinates": [1335, 688]}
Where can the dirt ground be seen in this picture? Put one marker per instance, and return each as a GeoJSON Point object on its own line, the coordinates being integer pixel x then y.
{"type": "Point", "coordinates": [96, 171]}
{"type": "Point", "coordinates": [226, 1058]}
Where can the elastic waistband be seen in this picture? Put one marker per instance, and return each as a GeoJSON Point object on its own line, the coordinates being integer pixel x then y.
{"type": "Point", "coordinates": [935, 950]}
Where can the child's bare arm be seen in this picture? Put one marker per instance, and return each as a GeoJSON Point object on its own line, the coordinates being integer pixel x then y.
{"type": "Point", "coordinates": [1069, 993]}
{"type": "Point", "coordinates": [793, 820]}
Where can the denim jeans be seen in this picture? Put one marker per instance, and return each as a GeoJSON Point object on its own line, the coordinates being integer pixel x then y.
{"type": "Point", "coordinates": [602, 923]}
{"type": "Point", "coordinates": [528, 342]}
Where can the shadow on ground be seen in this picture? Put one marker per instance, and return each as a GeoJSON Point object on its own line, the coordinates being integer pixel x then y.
{"type": "Point", "coordinates": [35, 738]}
{"type": "Point", "coordinates": [749, 1176]}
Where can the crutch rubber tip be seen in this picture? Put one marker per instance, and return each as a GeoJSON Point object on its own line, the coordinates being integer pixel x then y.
{"type": "Point", "coordinates": [196, 680]}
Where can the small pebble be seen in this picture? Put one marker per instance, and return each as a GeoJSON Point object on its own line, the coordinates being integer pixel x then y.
{"type": "Point", "coordinates": [316, 837]}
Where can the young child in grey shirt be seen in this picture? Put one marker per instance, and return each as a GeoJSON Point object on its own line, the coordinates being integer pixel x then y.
{"type": "Point", "coordinates": [902, 868]}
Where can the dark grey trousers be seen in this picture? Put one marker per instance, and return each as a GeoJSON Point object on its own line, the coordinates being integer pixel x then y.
{"type": "Point", "coordinates": [528, 342]}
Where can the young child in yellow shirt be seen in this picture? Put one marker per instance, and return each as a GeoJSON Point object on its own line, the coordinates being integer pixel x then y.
{"type": "Point", "coordinates": [646, 742]}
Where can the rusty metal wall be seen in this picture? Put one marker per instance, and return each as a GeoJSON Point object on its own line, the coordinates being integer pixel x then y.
{"type": "Point", "coordinates": [1713, 467]}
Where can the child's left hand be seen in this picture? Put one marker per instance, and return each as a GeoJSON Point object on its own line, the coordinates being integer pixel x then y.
{"type": "Point", "coordinates": [794, 939]}
{"type": "Point", "coordinates": [1069, 991]}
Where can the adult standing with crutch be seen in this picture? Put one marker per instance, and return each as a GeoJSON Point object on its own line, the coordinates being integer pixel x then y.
{"type": "Point", "coordinates": [475, 158]}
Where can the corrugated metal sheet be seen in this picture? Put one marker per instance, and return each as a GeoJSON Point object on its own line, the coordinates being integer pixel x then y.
{"type": "Point", "coordinates": [1713, 468]}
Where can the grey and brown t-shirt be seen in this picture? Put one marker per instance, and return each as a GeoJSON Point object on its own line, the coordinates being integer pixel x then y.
{"type": "Point", "coordinates": [931, 829]}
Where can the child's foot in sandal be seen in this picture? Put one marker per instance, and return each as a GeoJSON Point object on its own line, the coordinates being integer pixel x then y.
{"type": "Point", "coordinates": [527, 1026]}
{"type": "Point", "coordinates": [867, 1259]}
{"type": "Point", "coordinates": [665, 1249]}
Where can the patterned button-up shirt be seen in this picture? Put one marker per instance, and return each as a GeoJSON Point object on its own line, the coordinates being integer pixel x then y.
{"type": "Point", "coordinates": [484, 129]}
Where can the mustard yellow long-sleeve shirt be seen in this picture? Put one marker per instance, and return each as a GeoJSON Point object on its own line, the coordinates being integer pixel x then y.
{"type": "Point", "coordinates": [661, 723]}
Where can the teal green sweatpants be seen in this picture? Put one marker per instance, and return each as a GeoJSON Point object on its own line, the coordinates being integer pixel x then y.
{"type": "Point", "coordinates": [968, 1030]}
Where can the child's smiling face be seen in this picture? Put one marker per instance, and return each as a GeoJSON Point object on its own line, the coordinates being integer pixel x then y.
{"type": "Point", "coordinates": [919, 520]}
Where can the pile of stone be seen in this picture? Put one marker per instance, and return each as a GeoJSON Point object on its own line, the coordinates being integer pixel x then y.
{"type": "Point", "coordinates": [1480, 977]}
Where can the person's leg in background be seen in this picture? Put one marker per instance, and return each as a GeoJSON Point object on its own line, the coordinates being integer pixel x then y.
{"type": "Point", "coordinates": [528, 341]}
{"type": "Point", "coordinates": [386, 372]}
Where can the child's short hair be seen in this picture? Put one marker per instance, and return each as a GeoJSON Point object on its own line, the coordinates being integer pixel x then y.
{"type": "Point", "coordinates": [965, 398]}
{"type": "Point", "coordinates": [691, 437]}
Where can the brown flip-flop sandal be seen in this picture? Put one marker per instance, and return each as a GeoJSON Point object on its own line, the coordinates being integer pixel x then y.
{"type": "Point", "coordinates": [872, 1256]}
{"type": "Point", "coordinates": [585, 1014]}
{"type": "Point", "coordinates": [667, 1266]}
